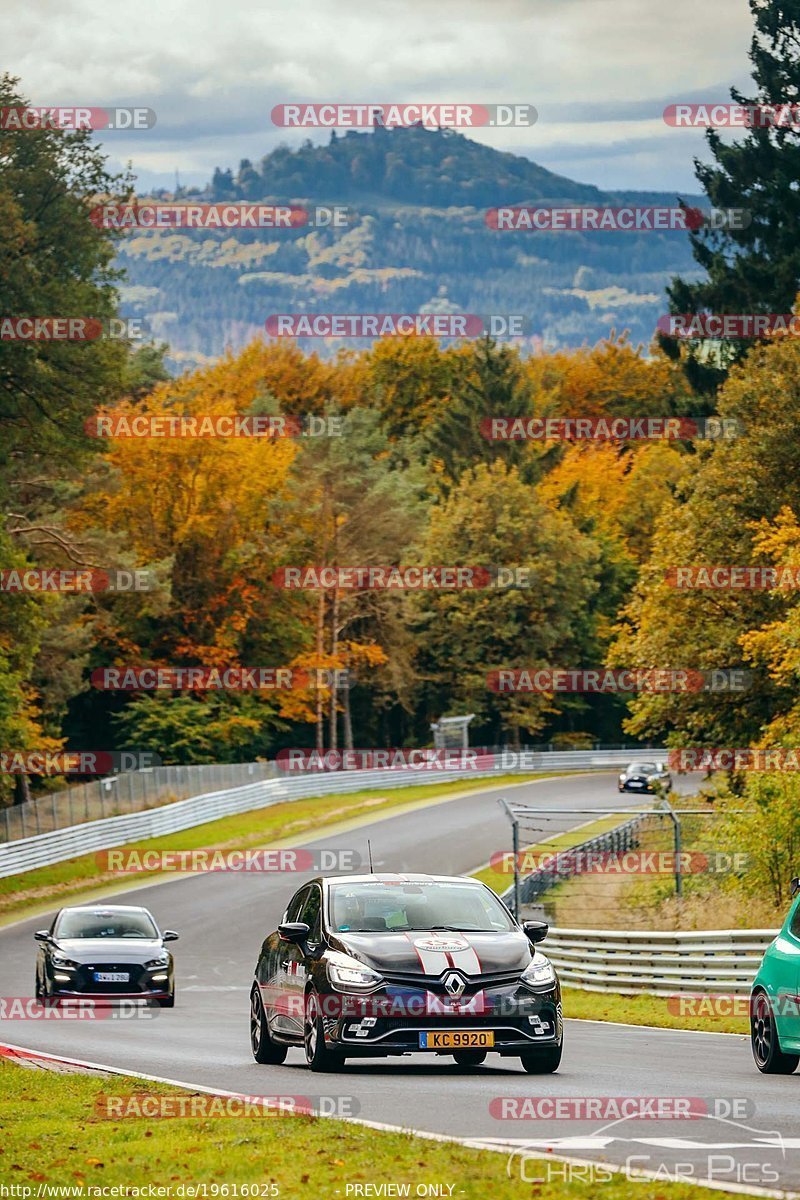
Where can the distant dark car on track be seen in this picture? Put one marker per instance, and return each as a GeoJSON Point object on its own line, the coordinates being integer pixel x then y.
{"type": "Point", "coordinates": [378, 965]}
{"type": "Point", "coordinates": [644, 777]}
{"type": "Point", "coordinates": [105, 952]}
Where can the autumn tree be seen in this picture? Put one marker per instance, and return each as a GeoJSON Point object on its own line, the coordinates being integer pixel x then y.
{"type": "Point", "coordinates": [493, 518]}
{"type": "Point", "coordinates": [727, 511]}
{"type": "Point", "coordinates": [348, 504]}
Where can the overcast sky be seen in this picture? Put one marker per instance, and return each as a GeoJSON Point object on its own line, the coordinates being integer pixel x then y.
{"type": "Point", "coordinates": [600, 73]}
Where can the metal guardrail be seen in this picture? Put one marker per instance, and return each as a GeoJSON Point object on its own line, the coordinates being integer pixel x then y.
{"type": "Point", "coordinates": [134, 791]}
{"type": "Point", "coordinates": [45, 849]}
{"type": "Point", "coordinates": [126, 792]}
{"type": "Point", "coordinates": [715, 961]}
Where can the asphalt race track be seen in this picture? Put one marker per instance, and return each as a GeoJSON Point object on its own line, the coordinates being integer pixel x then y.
{"type": "Point", "coordinates": [222, 919]}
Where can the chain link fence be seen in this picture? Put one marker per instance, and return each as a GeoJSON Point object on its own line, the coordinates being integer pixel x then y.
{"type": "Point", "coordinates": [128, 792]}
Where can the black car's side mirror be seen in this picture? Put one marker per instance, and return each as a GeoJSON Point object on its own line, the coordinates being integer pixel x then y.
{"type": "Point", "coordinates": [536, 930]}
{"type": "Point", "coordinates": [795, 886]}
{"type": "Point", "coordinates": [169, 935]}
{"type": "Point", "coordinates": [42, 935]}
{"type": "Point", "coordinates": [294, 931]}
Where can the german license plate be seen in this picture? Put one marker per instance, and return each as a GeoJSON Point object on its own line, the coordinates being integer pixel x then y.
{"type": "Point", "coordinates": [111, 977]}
{"type": "Point", "coordinates": [457, 1039]}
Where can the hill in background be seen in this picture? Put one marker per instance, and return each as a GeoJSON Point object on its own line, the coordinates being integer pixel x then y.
{"type": "Point", "coordinates": [417, 241]}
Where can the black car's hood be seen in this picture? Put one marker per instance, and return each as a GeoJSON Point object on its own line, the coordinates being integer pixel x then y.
{"type": "Point", "coordinates": [421, 953]}
{"type": "Point", "coordinates": [110, 950]}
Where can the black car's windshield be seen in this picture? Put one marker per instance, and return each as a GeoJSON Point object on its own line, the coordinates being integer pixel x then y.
{"type": "Point", "coordinates": [375, 907]}
{"type": "Point", "coordinates": [642, 769]}
{"type": "Point", "coordinates": [105, 925]}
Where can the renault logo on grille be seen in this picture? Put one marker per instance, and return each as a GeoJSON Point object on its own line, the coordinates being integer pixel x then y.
{"type": "Point", "coordinates": [454, 984]}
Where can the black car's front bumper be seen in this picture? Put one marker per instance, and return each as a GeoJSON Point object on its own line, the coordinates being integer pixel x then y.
{"type": "Point", "coordinates": [391, 1021]}
{"type": "Point", "coordinates": [140, 984]}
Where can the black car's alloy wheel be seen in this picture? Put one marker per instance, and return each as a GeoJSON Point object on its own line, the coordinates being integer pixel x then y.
{"type": "Point", "coordinates": [767, 1052]}
{"type": "Point", "coordinates": [318, 1056]}
{"type": "Point", "coordinates": [264, 1049]}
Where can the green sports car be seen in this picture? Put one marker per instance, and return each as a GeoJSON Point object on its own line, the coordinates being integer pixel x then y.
{"type": "Point", "coordinates": [775, 998]}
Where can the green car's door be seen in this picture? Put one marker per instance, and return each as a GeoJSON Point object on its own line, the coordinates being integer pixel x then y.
{"type": "Point", "coordinates": [782, 978]}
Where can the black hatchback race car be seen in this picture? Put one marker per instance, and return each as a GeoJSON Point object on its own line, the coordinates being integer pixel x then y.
{"type": "Point", "coordinates": [378, 965]}
{"type": "Point", "coordinates": [644, 777]}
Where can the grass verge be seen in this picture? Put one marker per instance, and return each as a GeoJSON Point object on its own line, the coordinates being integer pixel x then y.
{"type": "Point", "coordinates": [51, 1134]}
{"type": "Point", "coordinates": [79, 878]}
{"type": "Point", "coordinates": [723, 1014]}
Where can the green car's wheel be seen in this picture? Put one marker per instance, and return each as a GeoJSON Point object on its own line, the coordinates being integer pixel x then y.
{"type": "Point", "coordinates": [770, 1059]}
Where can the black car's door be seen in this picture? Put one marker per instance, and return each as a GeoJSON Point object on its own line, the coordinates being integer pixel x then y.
{"type": "Point", "coordinates": [296, 958]}
{"type": "Point", "coordinates": [276, 968]}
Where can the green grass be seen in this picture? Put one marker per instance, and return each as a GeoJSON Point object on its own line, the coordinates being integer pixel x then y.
{"type": "Point", "coordinates": [78, 878]}
{"type": "Point", "coordinates": [50, 1133]}
{"type": "Point", "coordinates": [666, 1012]}
{"type": "Point", "coordinates": [500, 881]}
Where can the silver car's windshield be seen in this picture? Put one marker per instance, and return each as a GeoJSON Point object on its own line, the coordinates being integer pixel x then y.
{"type": "Point", "coordinates": [376, 907]}
{"type": "Point", "coordinates": [105, 925]}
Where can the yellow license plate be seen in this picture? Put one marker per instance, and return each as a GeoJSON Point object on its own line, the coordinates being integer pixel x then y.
{"type": "Point", "coordinates": [457, 1039]}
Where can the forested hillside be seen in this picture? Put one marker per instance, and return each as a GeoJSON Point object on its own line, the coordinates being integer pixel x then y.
{"type": "Point", "coordinates": [417, 240]}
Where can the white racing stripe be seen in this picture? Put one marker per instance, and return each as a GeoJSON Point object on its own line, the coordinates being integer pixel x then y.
{"type": "Point", "coordinates": [467, 961]}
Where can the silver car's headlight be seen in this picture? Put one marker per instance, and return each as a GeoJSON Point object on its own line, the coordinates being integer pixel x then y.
{"type": "Point", "coordinates": [60, 961]}
{"type": "Point", "coordinates": [349, 975]}
{"type": "Point", "coordinates": [539, 974]}
{"type": "Point", "coordinates": [162, 961]}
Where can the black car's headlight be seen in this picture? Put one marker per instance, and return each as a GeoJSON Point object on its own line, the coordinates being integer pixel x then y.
{"type": "Point", "coordinates": [539, 973]}
{"type": "Point", "coordinates": [622, 778]}
{"type": "Point", "coordinates": [60, 961]}
{"type": "Point", "coordinates": [349, 975]}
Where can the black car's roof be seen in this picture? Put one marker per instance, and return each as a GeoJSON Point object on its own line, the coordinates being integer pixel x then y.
{"type": "Point", "coordinates": [396, 877]}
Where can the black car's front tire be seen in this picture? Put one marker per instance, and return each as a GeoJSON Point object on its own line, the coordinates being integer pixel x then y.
{"type": "Point", "coordinates": [465, 1059]}
{"type": "Point", "coordinates": [769, 1057]}
{"type": "Point", "coordinates": [262, 1045]}
{"type": "Point", "coordinates": [318, 1056]}
{"type": "Point", "coordinates": [542, 1062]}
{"type": "Point", "coordinates": [167, 1001]}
